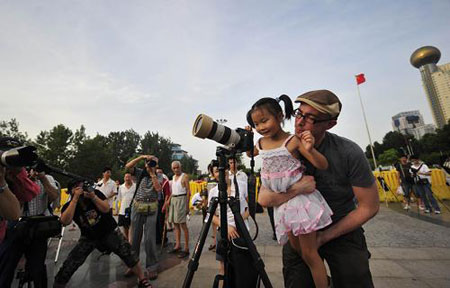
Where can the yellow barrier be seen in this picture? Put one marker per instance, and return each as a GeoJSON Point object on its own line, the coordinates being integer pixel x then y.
{"type": "Point", "coordinates": [440, 189]}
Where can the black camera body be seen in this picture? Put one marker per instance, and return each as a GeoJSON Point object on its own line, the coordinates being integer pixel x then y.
{"type": "Point", "coordinates": [88, 186]}
{"type": "Point", "coordinates": [151, 163]}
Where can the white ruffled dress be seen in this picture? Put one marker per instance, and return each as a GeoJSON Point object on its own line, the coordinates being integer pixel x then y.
{"type": "Point", "coordinates": [305, 212]}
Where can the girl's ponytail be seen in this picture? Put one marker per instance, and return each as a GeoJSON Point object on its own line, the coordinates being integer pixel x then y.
{"type": "Point", "coordinates": [288, 107]}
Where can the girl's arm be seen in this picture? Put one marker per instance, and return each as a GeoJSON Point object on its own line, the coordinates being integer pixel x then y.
{"type": "Point", "coordinates": [306, 148]}
{"type": "Point", "coordinates": [255, 152]}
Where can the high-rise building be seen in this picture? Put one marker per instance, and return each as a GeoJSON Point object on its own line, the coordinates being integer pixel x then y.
{"type": "Point", "coordinates": [436, 82]}
{"type": "Point", "coordinates": [411, 123]}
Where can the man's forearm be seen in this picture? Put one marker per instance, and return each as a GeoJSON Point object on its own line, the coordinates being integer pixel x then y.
{"type": "Point", "coordinates": [269, 198]}
{"type": "Point", "coordinates": [51, 191]}
{"type": "Point", "coordinates": [132, 163]}
{"type": "Point", "coordinates": [9, 205]}
{"type": "Point", "coordinates": [349, 223]}
{"type": "Point", "coordinates": [67, 216]}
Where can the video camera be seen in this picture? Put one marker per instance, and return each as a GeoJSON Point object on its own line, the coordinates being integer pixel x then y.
{"type": "Point", "coordinates": [14, 154]}
{"type": "Point", "coordinates": [239, 140]}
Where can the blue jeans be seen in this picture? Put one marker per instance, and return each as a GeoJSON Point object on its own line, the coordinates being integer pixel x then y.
{"type": "Point", "coordinates": [407, 190]}
{"type": "Point", "coordinates": [145, 224]}
{"type": "Point", "coordinates": [424, 192]}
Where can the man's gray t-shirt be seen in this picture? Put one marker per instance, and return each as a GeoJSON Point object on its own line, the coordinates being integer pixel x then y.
{"type": "Point", "coordinates": [347, 167]}
{"type": "Point", "coordinates": [146, 192]}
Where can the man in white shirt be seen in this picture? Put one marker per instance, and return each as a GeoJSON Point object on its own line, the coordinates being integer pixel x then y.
{"type": "Point", "coordinates": [107, 186]}
{"type": "Point", "coordinates": [126, 191]}
{"type": "Point", "coordinates": [240, 175]}
{"type": "Point", "coordinates": [422, 184]}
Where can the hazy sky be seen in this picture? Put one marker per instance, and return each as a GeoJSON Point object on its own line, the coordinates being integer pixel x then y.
{"type": "Point", "coordinates": [155, 65]}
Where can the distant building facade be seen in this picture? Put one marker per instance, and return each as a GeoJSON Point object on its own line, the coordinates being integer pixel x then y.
{"type": "Point", "coordinates": [436, 82]}
{"type": "Point", "coordinates": [177, 152]}
{"type": "Point", "coordinates": [411, 123]}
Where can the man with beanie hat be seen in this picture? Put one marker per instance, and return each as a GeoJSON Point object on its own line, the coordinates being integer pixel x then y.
{"type": "Point", "coordinates": [348, 177]}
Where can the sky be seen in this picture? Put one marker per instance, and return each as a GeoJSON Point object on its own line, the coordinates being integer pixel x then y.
{"type": "Point", "coordinates": [155, 65]}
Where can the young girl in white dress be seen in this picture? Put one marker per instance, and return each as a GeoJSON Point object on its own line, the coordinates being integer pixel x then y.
{"type": "Point", "coordinates": [298, 219]}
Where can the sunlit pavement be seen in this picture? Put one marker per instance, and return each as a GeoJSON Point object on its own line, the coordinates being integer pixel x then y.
{"type": "Point", "coordinates": [406, 252]}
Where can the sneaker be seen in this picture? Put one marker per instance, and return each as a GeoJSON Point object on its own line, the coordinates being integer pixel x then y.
{"type": "Point", "coordinates": [437, 212]}
{"type": "Point", "coordinates": [144, 283]}
{"type": "Point", "coordinates": [406, 207]}
{"type": "Point", "coordinates": [421, 207]}
{"type": "Point", "coordinates": [427, 211]}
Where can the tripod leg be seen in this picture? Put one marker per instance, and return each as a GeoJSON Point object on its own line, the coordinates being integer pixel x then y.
{"type": "Point", "coordinates": [59, 244]}
{"type": "Point", "coordinates": [193, 262]}
{"type": "Point", "coordinates": [243, 232]}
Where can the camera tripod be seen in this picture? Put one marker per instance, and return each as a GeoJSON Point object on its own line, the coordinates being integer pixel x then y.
{"type": "Point", "coordinates": [223, 246]}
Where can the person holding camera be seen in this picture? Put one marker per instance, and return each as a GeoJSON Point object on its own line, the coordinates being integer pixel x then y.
{"type": "Point", "coordinates": [23, 242]}
{"type": "Point", "coordinates": [90, 210]}
{"type": "Point", "coordinates": [144, 210]}
{"type": "Point", "coordinates": [9, 205]}
{"type": "Point", "coordinates": [405, 179]}
{"type": "Point", "coordinates": [422, 184]}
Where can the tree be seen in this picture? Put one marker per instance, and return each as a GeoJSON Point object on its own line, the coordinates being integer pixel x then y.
{"type": "Point", "coordinates": [54, 146]}
{"type": "Point", "coordinates": [122, 147]}
{"type": "Point", "coordinates": [154, 144]}
{"type": "Point", "coordinates": [189, 164]}
{"type": "Point", "coordinates": [388, 157]}
{"type": "Point", "coordinates": [11, 129]}
{"type": "Point", "coordinates": [91, 157]}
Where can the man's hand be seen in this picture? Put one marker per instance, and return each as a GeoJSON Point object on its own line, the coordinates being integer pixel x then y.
{"type": "Point", "coordinates": [232, 233]}
{"type": "Point", "coordinates": [306, 185]}
{"type": "Point", "coordinates": [76, 192]}
{"type": "Point", "coordinates": [89, 195]}
{"type": "Point", "coordinates": [307, 140]}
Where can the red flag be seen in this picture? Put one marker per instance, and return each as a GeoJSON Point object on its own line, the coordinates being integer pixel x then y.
{"type": "Point", "coordinates": [360, 78]}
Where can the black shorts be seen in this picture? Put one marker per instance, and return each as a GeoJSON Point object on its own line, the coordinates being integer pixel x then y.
{"type": "Point", "coordinates": [124, 222]}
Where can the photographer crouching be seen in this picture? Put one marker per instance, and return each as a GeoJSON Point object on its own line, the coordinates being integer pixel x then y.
{"type": "Point", "coordinates": [91, 212]}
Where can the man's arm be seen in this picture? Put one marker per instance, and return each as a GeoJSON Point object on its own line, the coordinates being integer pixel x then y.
{"type": "Point", "coordinates": [102, 204]}
{"type": "Point", "coordinates": [368, 205]}
{"type": "Point", "coordinates": [67, 215]}
{"type": "Point", "coordinates": [268, 198]}
{"type": "Point", "coordinates": [49, 188]}
{"type": "Point", "coordinates": [130, 165]}
{"type": "Point", "coordinates": [188, 191]}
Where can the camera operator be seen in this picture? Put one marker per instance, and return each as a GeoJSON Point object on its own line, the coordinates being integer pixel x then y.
{"type": "Point", "coordinates": [144, 210]}
{"type": "Point", "coordinates": [34, 248]}
{"type": "Point", "coordinates": [91, 212]}
{"type": "Point", "coordinates": [9, 205]}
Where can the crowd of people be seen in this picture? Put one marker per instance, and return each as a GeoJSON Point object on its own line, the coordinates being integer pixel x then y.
{"type": "Point", "coordinates": [317, 185]}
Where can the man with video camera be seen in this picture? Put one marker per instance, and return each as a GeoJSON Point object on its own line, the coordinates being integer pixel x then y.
{"type": "Point", "coordinates": [144, 210]}
{"type": "Point", "coordinates": [90, 210]}
{"type": "Point", "coordinates": [21, 238]}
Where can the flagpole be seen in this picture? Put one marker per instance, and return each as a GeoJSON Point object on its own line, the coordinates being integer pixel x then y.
{"type": "Point", "coordinates": [367, 127]}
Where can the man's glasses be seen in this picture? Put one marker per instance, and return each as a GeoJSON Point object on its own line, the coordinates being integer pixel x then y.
{"type": "Point", "coordinates": [308, 118]}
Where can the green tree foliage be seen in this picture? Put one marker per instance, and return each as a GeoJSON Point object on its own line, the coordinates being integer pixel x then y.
{"type": "Point", "coordinates": [11, 129]}
{"type": "Point", "coordinates": [53, 145]}
{"type": "Point", "coordinates": [388, 157]}
{"type": "Point", "coordinates": [189, 165]}
{"type": "Point", "coordinates": [154, 144]}
{"type": "Point", "coordinates": [432, 148]}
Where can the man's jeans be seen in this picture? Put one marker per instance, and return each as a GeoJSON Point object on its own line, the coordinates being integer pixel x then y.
{"type": "Point", "coordinates": [424, 191]}
{"type": "Point", "coordinates": [145, 224]}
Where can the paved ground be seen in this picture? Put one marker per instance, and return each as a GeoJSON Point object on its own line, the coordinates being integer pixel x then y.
{"type": "Point", "coordinates": [407, 251]}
